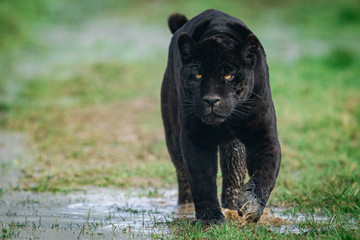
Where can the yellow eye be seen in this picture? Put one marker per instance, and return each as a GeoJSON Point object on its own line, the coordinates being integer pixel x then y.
{"type": "Point", "coordinates": [198, 76]}
{"type": "Point", "coordinates": [228, 76]}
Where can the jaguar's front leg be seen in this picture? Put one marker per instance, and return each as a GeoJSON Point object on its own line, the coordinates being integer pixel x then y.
{"type": "Point", "coordinates": [200, 157]}
{"type": "Point", "coordinates": [263, 156]}
{"type": "Point", "coordinates": [233, 167]}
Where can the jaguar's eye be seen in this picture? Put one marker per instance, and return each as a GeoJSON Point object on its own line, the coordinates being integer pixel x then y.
{"type": "Point", "coordinates": [228, 76]}
{"type": "Point", "coordinates": [198, 76]}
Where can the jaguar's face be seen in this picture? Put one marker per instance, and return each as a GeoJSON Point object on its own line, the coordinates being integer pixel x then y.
{"type": "Point", "coordinates": [216, 77]}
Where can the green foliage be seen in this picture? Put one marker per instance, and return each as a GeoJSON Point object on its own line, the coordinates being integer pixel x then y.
{"type": "Point", "coordinates": [340, 59]}
{"type": "Point", "coordinates": [11, 231]}
{"type": "Point", "coordinates": [16, 17]}
{"type": "Point", "coordinates": [316, 100]}
{"type": "Point", "coordinates": [309, 229]}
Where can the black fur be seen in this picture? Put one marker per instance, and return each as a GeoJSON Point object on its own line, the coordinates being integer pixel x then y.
{"type": "Point", "coordinates": [215, 97]}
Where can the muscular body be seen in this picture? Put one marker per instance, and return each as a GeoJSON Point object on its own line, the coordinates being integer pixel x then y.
{"type": "Point", "coordinates": [216, 97]}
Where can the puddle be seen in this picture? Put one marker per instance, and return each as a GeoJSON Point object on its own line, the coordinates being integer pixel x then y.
{"type": "Point", "coordinates": [109, 213]}
{"type": "Point", "coordinates": [98, 212]}
{"type": "Point", "coordinates": [102, 212]}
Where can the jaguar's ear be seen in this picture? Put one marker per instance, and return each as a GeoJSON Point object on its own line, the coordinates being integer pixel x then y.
{"type": "Point", "coordinates": [249, 49]}
{"type": "Point", "coordinates": [186, 46]}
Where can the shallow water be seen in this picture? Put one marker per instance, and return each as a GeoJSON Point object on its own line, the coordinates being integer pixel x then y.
{"type": "Point", "coordinates": [102, 212]}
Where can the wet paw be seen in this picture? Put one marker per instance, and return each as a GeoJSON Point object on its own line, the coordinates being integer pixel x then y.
{"type": "Point", "coordinates": [250, 205]}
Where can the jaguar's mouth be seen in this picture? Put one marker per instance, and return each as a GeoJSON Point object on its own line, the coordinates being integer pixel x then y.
{"type": "Point", "coordinates": [213, 118]}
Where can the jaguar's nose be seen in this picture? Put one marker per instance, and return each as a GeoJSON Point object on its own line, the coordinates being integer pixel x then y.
{"type": "Point", "coordinates": [212, 100]}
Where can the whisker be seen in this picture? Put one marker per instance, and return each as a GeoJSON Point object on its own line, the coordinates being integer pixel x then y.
{"type": "Point", "coordinates": [258, 96]}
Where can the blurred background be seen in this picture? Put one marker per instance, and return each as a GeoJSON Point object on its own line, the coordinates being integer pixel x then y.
{"type": "Point", "coordinates": [80, 89]}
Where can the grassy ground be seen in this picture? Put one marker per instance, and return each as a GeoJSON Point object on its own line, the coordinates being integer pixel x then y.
{"type": "Point", "coordinates": [98, 122]}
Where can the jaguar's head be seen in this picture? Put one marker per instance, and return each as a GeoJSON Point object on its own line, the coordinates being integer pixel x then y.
{"type": "Point", "coordinates": [217, 76]}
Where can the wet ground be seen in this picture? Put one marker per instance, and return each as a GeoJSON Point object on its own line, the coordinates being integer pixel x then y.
{"type": "Point", "coordinates": [102, 213]}
{"type": "Point", "coordinates": [108, 213]}
{"type": "Point", "coordinates": [96, 213]}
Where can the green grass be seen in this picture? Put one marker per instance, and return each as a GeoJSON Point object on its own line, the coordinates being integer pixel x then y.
{"type": "Point", "coordinates": [11, 231]}
{"type": "Point", "coordinates": [309, 229]}
{"type": "Point", "coordinates": [99, 124]}
{"type": "Point", "coordinates": [16, 17]}
{"type": "Point", "coordinates": [319, 132]}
